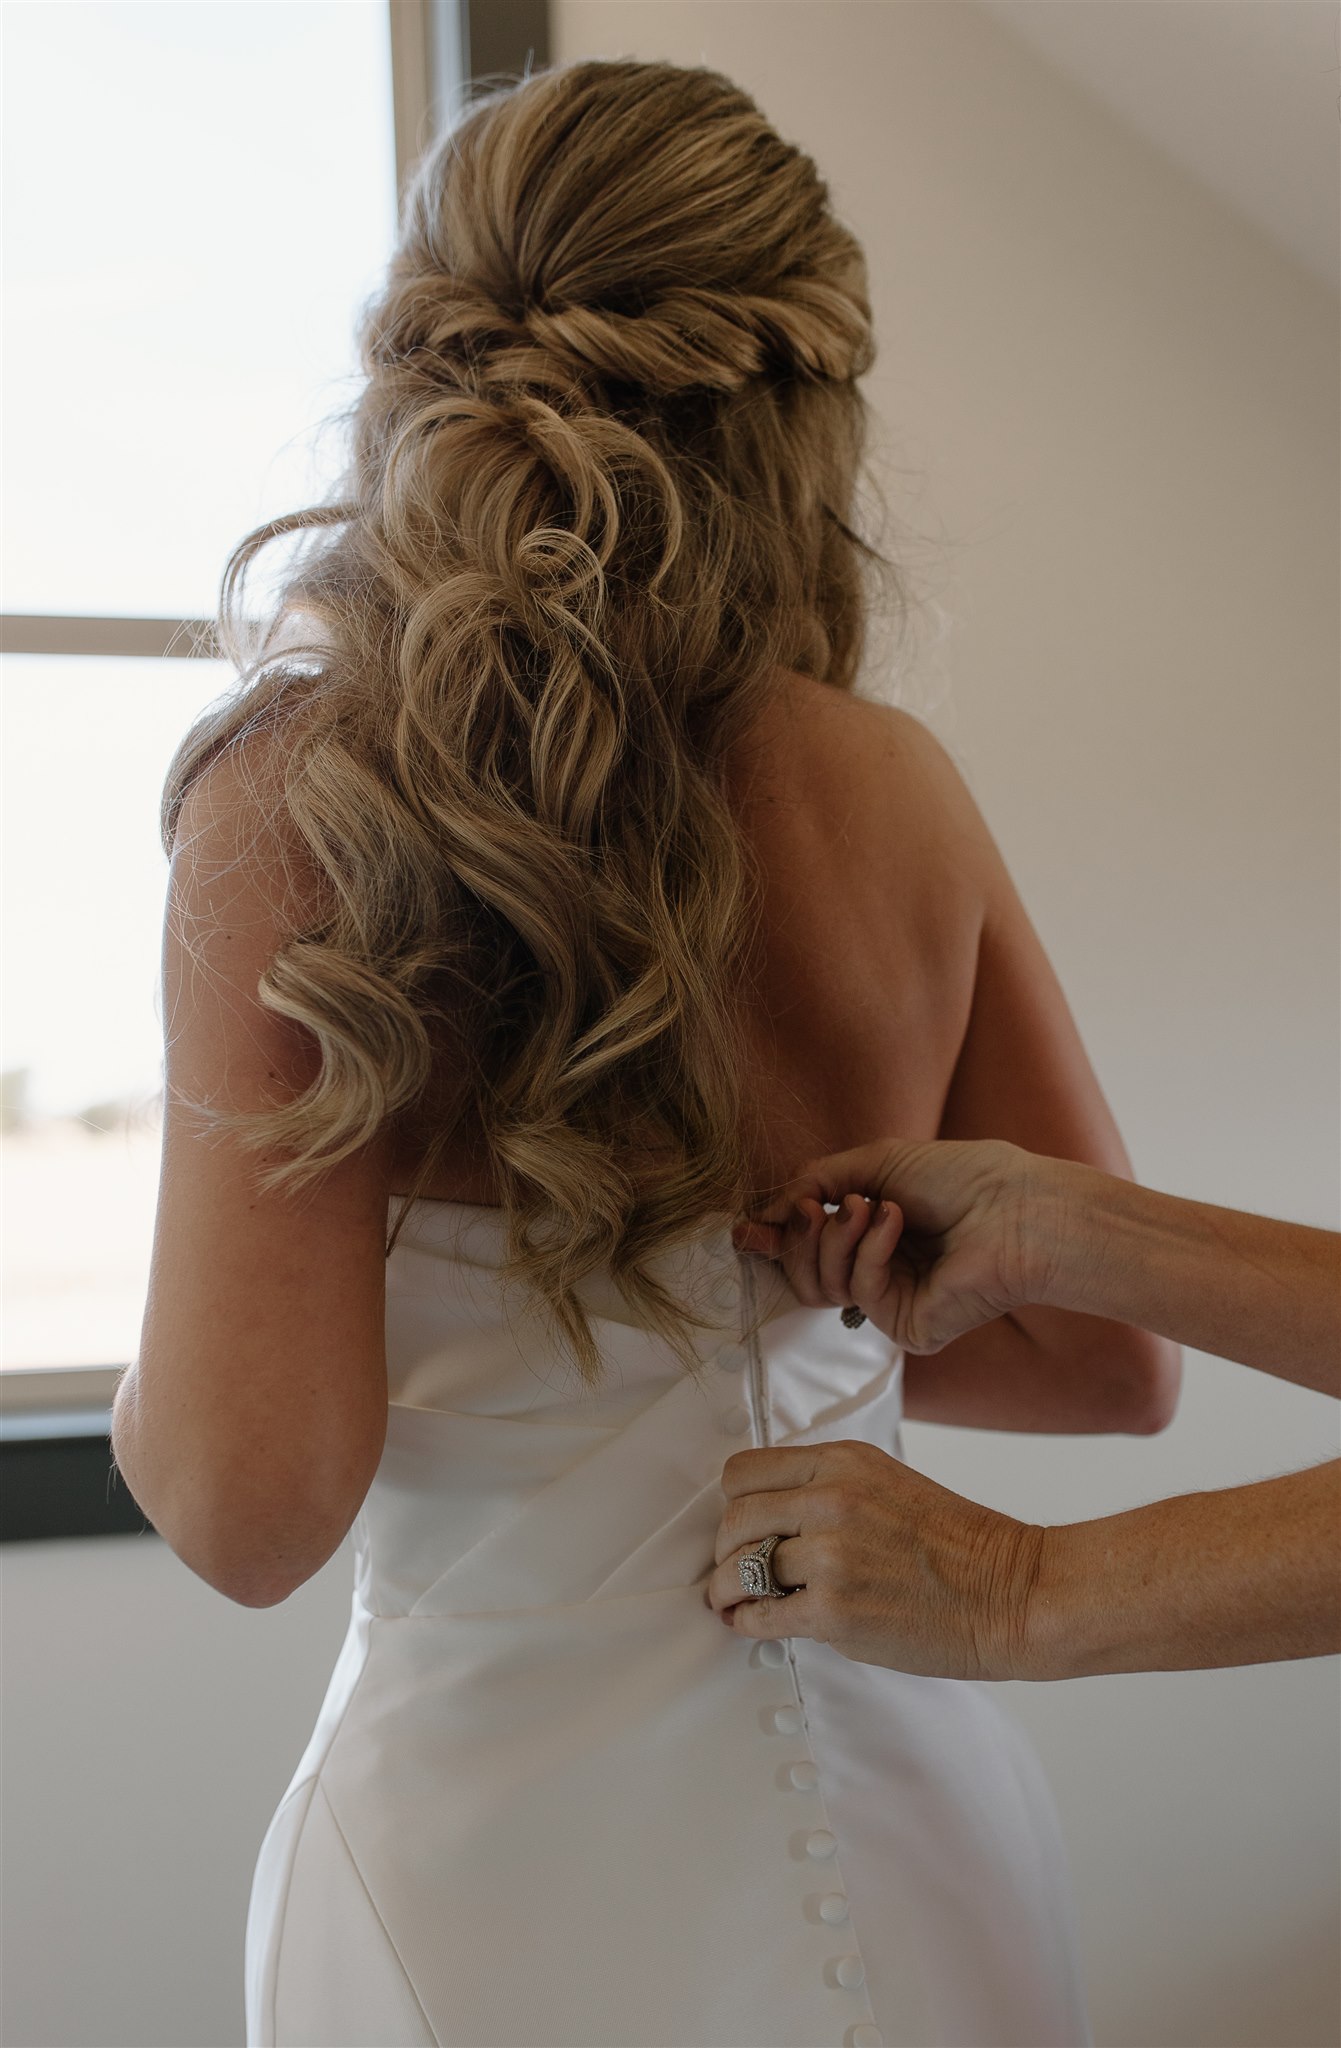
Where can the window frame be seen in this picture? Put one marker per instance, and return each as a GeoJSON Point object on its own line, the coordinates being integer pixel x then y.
{"type": "Point", "coordinates": [57, 1475]}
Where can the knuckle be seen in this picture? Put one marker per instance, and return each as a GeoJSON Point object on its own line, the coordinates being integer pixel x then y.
{"type": "Point", "coordinates": [829, 1506]}
{"type": "Point", "coordinates": [859, 1465]}
{"type": "Point", "coordinates": [736, 1476]}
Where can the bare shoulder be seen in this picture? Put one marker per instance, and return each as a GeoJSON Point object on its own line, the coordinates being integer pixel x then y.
{"type": "Point", "coordinates": [234, 815]}
{"type": "Point", "coordinates": [877, 772]}
{"type": "Point", "coordinates": [873, 892]}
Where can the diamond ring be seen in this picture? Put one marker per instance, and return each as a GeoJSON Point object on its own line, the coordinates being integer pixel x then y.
{"type": "Point", "coordinates": [756, 1571]}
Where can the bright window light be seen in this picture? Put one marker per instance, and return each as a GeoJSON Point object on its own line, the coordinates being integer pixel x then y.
{"type": "Point", "coordinates": [197, 194]}
{"type": "Point", "coordinates": [197, 197]}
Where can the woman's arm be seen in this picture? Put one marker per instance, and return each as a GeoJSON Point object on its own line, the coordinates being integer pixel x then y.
{"type": "Point", "coordinates": [1245, 1576]}
{"type": "Point", "coordinates": [251, 1424]}
{"type": "Point", "coordinates": [892, 1569]}
{"type": "Point", "coordinates": [963, 1233]}
{"type": "Point", "coordinates": [1250, 1288]}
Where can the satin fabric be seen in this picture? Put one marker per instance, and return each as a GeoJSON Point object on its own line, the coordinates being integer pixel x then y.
{"type": "Point", "coordinates": [550, 1802]}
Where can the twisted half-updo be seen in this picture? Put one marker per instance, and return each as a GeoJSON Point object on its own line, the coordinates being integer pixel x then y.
{"type": "Point", "coordinates": [599, 494]}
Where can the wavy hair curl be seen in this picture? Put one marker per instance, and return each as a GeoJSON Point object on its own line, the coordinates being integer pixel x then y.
{"type": "Point", "coordinates": [600, 483]}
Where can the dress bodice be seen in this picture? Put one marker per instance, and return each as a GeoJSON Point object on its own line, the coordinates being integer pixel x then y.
{"type": "Point", "coordinates": [507, 1479]}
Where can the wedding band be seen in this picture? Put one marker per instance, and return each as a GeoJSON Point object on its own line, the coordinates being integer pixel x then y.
{"type": "Point", "coordinates": [853, 1317]}
{"type": "Point", "coordinates": [756, 1572]}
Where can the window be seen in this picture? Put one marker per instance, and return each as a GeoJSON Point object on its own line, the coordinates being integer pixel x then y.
{"type": "Point", "coordinates": [87, 743]}
{"type": "Point", "coordinates": [196, 200]}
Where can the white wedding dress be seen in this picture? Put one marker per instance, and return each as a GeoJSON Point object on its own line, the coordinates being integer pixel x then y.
{"type": "Point", "coordinates": [550, 1802]}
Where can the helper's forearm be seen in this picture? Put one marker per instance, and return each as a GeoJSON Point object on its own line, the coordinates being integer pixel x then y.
{"type": "Point", "coordinates": [1265, 1293]}
{"type": "Point", "coordinates": [1246, 1576]}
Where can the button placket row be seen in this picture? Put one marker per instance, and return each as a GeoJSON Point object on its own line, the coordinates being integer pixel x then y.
{"type": "Point", "coordinates": [789, 1720]}
{"type": "Point", "coordinates": [821, 1843]}
{"type": "Point", "coordinates": [734, 1419]}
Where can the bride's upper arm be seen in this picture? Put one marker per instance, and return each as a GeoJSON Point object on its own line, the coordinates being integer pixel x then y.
{"type": "Point", "coordinates": [1022, 1072]}
{"type": "Point", "coordinates": [253, 1420]}
{"type": "Point", "coordinates": [910, 852]}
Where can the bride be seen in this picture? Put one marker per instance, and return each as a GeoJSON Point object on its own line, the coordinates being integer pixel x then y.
{"type": "Point", "coordinates": [541, 896]}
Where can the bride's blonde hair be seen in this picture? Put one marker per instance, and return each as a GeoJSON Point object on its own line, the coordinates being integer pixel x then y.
{"type": "Point", "coordinates": [600, 491]}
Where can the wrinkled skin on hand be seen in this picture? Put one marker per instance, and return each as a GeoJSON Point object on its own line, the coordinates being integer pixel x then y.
{"type": "Point", "coordinates": [892, 1568]}
{"type": "Point", "coordinates": [929, 1241]}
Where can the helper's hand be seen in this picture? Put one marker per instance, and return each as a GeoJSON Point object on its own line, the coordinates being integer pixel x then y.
{"type": "Point", "coordinates": [949, 1235]}
{"type": "Point", "coordinates": [893, 1568]}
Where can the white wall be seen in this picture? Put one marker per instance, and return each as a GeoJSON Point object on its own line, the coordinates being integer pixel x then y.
{"type": "Point", "coordinates": [1120, 403]}
{"type": "Point", "coordinates": [150, 1727]}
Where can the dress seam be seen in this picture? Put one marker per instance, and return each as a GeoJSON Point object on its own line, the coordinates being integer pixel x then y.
{"type": "Point", "coordinates": [367, 1893]}
{"type": "Point", "coordinates": [759, 1395]}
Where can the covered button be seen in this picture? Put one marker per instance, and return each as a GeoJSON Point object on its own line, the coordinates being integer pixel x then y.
{"type": "Point", "coordinates": [867, 2037]}
{"type": "Point", "coordinates": [833, 1909]}
{"type": "Point", "coordinates": [770, 1653]}
{"type": "Point", "coordinates": [788, 1721]}
{"type": "Point", "coordinates": [736, 1421]}
{"type": "Point", "coordinates": [804, 1776]}
{"type": "Point", "coordinates": [821, 1845]}
{"type": "Point", "coordinates": [851, 1973]}
{"type": "Point", "coordinates": [733, 1358]}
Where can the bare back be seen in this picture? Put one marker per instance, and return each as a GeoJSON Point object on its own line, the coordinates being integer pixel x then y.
{"type": "Point", "coordinates": [864, 960]}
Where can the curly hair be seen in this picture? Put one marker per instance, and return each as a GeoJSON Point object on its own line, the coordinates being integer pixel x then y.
{"type": "Point", "coordinates": [599, 493]}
